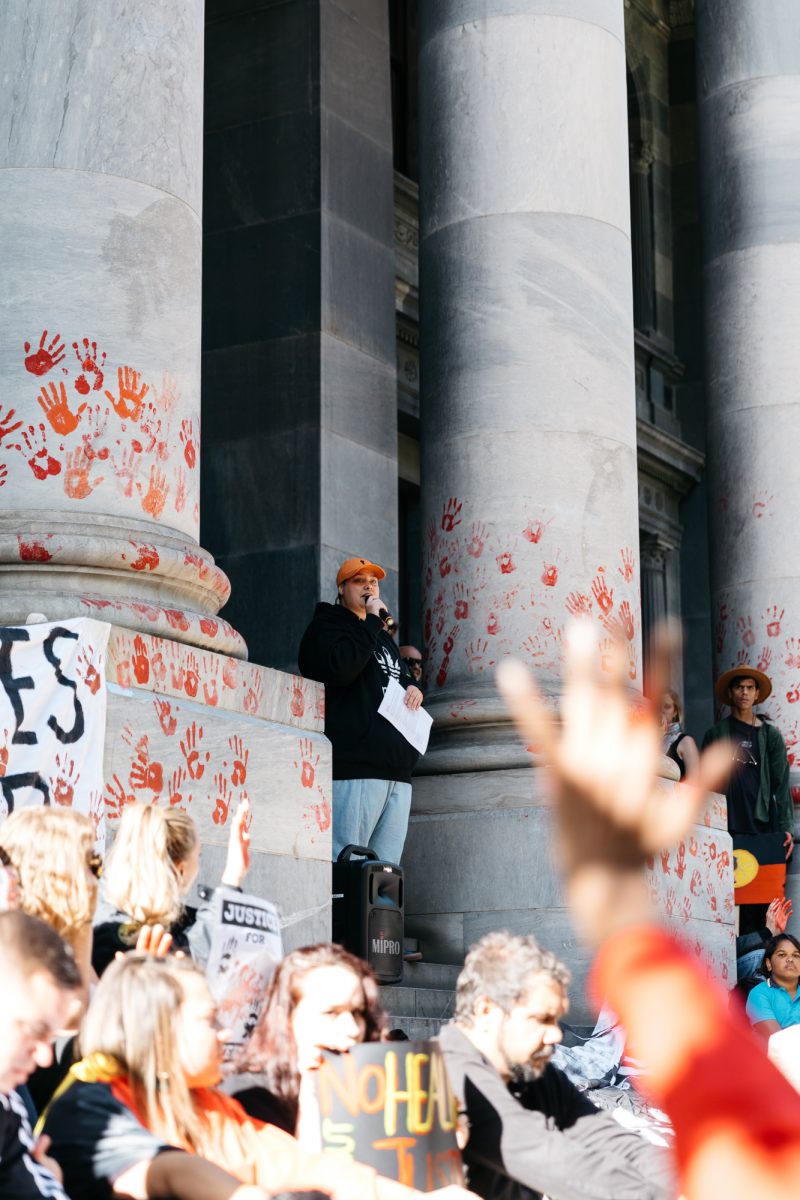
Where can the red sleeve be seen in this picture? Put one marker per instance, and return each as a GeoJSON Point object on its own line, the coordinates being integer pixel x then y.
{"type": "Point", "coordinates": [706, 1068]}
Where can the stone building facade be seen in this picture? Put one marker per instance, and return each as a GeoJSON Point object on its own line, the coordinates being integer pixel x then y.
{"type": "Point", "coordinates": [499, 292]}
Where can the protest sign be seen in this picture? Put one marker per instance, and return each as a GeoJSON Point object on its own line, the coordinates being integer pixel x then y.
{"type": "Point", "coordinates": [245, 949]}
{"type": "Point", "coordinates": [390, 1105]}
{"type": "Point", "coordinates": [53, 717]}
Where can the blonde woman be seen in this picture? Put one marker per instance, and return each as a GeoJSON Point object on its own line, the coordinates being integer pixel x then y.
{"type": "Point", "coordinates": [149, 872]}
{"type": "Point", "coordinates": [152, 1049]}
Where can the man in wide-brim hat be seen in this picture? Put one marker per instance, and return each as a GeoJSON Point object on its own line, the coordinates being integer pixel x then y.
{"type": "Point", "coordinates": [759, 800]}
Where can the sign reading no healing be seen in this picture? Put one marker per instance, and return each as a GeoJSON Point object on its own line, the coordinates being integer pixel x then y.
{"type": "Point", "coordinates": [53, 716]}
{"type": "Point", "coordinates": [390, 1105]}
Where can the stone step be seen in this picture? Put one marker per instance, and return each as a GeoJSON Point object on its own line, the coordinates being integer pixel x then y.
{"type": "Point", "coordinates": [423, 1001]}
{"type": "Point", "coordinates": [430, 975]}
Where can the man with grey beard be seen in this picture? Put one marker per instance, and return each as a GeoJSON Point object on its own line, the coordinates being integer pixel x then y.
{"type": "Point", "coordinates": [531, 1132]}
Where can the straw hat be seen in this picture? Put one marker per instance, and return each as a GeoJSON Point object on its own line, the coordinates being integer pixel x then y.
{"type": "Point", "coordinates": [762, 681]}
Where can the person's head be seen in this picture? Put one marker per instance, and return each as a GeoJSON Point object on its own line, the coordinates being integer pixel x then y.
{"type": "Point", "coordinates": [41, 982]}
{"type": "Point", "coordinates": [413, 660]}
{"type": "Point", "coordinates": [510, 997]}
{"type": "Point", "coordinates": [743, 693]}
{"type": "Point", "coordinates": [52, 853]}
{"type": "Point", "coordinates": [319, 998]}
{"type": "Point", "coordinates": [153, 863]}
{"type": "Point", "coordinates": [782, 960]}
{"type": "Point", "coordinates": [356, 579]}
{"type": "Point", "coordinates": [671, 709]}
{"type": "Point", "coordinates": [156, 1018]}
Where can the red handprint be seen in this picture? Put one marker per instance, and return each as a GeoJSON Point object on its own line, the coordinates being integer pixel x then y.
{"type": "Point", "coordinates": [603, 594]}
{"type": "Point", "coordinates": [141, 665]}
{"type": "Point", "coordinates": [792, 653]}
{"type": "Point", "coordinates": [87, 671]}
{"type": "Point", "coordinates": [696, 883]}
{"type": "Point", "coordinates": [192, 681]}
{"type": "Point", "coordinates": [209, 626]}
{"type": "Point", "coordinates": [297, 704]}
{"type": "Point", "coordinates": [606, 654]}
{"type": "Point", "coordinates": [505, 562]}
{"type": "Point", "coordinates": [175, 792]}
{"type": "Point", "coordinates": [187, 440]}
{"type": "Point", "coordinates": [128, 404]}
{"type": "Point", "coordinates": [145, 773]}
{"type": "Point", "coordinates": [445, 566]}
{"type": "Point", "coordinates": [664, 856]}
{"type": "Point", "coordinates": [223, 799]}
{"type": "Point", "coordinates": [669, 901]}
{"type": "Point", "coordinates": [146, 557]}
{"type": "Point", "coordinates": [76, 475]}
{"type": "Point", "coordinates": [34, 550]}
{"type": "Point", "coordinates": [46, 357]}
{"type": "Point", "coordinates": [461, 598]}
{"type": "Point", "coordinates": [477, 541]}
{"type": "Point", "coordinates": [720, 635]}
{"type": "Point", "coordinates": [451, 515]}
{"type": "Point", "coordinates": [190, 749]}
{"type": "Point", "coordinates": [64, 781]}
{"type": "Point", "coordinates": [680, 860]}
{"type": "Point", "coordinates": [765, 658]}
{"type": "Point", "coordinates": [8, 424]}
{"type": "Point", "coordinates": [127, 469]}
{"type": "Point", "coordinates": [4, 753]}
{"type": "Point", "coordinates": [166, 718]}
{"type": "Point", "coordinates": [252, 700]}
{"type": "Point", "coordinates": [693, 846]}
{"type": "Point", "coordinates": [475, 653]}
{"type": "Point", "coordinates": [685, 909]}
{"type": "Point", "coordinates": [762, 505]}
{"type": "Point", "coordinates": [745, 627]}
{"type": "Point", "coordinates": [34, 450]}
{"type": "Point", "coordinates": [441, 674]}
{"type": "Point", "coordinates": [55, 407]}
{"type": "Point", "coordinates": [176, 619]}
{"type": "Point", "coordinates": [156, 496]}
{"type": "Point", "coordinates": [240, 757]}
{"type": "Point", "coordinates": [158, 668]}
{"type": "Point", "coordinates": [117, 798]}
{"type": "Point", "coordinates": [210, 689]}
{"type": "Point", "coordinates": [723, 862]}
{"type": "Point", "coordinates": [492, 624]}
{"type": "Point", "coordinates": [627, 568]}
{"type": "Point", "coordinates": [773, 619]}
{"type": "Point", "coordinates": [578, 604]}
{"type": "Point", "coordinates": [549, 575]}
{"type": "Point", "coordinates": [89, 367]}
{"type": "Point", "coordinates": [450, 640]}
{"type": "Point", "coordinates": [626, 618]}
{"type": "Point", "coordinates": [533, 532]}
{"type": "Point", "coordinates": [230, 673]}
{"type": "Point", "coordinates": [533, 646]}
{"type": "Point", "coordinates": [308, 763]}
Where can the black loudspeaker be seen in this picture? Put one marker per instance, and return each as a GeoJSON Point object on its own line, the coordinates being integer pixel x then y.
{"type": "Point", "coordinates": [367, 913]}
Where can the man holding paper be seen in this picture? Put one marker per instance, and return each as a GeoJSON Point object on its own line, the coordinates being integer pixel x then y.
{"type": "Point", "coordinates": [347, 648]}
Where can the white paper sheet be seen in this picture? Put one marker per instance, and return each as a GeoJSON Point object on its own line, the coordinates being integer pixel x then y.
{"type": "Point", "coordinates": [415, 725]}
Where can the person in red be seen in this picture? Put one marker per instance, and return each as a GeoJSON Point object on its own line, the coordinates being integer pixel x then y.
{"type": "Point", "coordinates": [736, 1119]}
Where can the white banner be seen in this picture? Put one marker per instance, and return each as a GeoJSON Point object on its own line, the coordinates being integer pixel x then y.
{"type": "Point", "coordinates": [245, 949]}
{"type": "Point", "coordinates": [53, 716]}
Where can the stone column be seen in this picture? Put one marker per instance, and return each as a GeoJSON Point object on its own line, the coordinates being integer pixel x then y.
{"type": "Point", "coordinates": [101, 123]}
{"type": "Point", "coordinates": [529, 443]}
{"type": "Point", "coordinates": [749, 115]}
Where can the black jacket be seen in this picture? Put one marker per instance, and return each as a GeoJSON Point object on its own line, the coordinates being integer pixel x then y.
{"type": "Point", "coordinates": [546, 1137]}
{"type": "Point", "coordinates": [354, 659]}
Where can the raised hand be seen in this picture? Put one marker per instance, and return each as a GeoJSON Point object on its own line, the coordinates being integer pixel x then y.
{"type": "Point", "coordinates": [778, 915]}
{"type": "Point", "coordinates": [237, 863]}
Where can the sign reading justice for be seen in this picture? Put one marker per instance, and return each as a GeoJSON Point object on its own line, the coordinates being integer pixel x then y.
{"type": "Point", "coordinates": [390, 1105]}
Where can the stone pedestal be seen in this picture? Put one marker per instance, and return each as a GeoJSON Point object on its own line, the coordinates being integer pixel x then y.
{"type": "Point", "coordinates": [749, 117]}
{"type": "Point", "coordinates": [100, 220]}
{"type": "Point", "coordinates": [529, 445]}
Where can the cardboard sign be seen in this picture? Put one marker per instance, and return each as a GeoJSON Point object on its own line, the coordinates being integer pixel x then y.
{"type": "Point", "coordinates": [245, 949]}
{"type": "Point", "coordinates": [53, 717]}
{"type": "Point", "coordinates": [390, 1105]}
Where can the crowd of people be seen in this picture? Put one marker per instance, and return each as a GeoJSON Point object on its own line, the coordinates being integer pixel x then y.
{"type": "Point", "coordinates": [111, 1045]}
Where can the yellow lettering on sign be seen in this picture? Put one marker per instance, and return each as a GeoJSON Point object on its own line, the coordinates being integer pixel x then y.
{"type": "Point", "coordinates": [329, 1081]}
{"type": "Point", "coordinates": [393, 1093]}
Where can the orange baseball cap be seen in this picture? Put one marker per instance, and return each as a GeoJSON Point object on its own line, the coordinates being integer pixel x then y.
{"type": "Point", "coordinates": [352, 566]}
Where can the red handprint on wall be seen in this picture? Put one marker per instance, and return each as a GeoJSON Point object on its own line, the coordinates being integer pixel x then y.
{"type": "Point", "coordinates": [533, 532]}
{"type": "Point", "coordinates": [187, 441]}
{"type": "Point", "coordinates": [131, 393]}
{"type": "Point", "coordinates": [46, 357]}
{"type": "Point", "coordinates": [117, 798]}
{"type": "Point", "coordinates": [87, 671]}
{"type": "Point", "coordinates": [127, 468]}
{"type": "Point", "coordinates": [461, 599]}
{"type": "Point", "coordinates": [33, 448]}
{"type": "Point", "coordinates": [222, 803]}
{"type": "Point", "coordinates": [240, 757]}
{"type": "Point", "coordinates": [765, 658]}
{"type": "Point", "coordinates": [145, 772]}
{"type": "Point", "coordinates": [180, 490]}
{"type": "Point", "coordinates": [475, 654]}
{"type": "Point", "coordinates": [505, 562]}
{"type": "Point", "coordinates": [253, 696]}
{"type": "Point", "coordinates": [91, 376]}
{"type": "Point", "coordinates": [549, 575]}
{"type": "Point", "coordinates": [146, 557]}
{"type": "Point", "coordinates": [626, 619]}
{"type": "Point", "coordinates": [628, 561]}
{"type": "Point", "coordinates": [166, 718]}
{"type": "Point", "coordinates": [603, 594]}
{"type": "Point", "coordinates": [156, 496]}
{"type": "Point", "coordinates": [680, 860]}
{"type": "Point", "coordinates": [55, 407]}
{"type": "Point", "coordinates": [451, 516]}
{"type": "Point", "coordinates": [308, 763]}
{"type": "Point", "coordinates": [477, 540]}
{"type": "Point", "coordinates": [77, 465]}
{"type": "Point", "coordinates": [773, 619]}
{"type": "Point", "coordinates": [196, 759]}
{"type": "Point", "coordinates": [176, 795]}
{"type": "Point", "coordinates": [64, 781]}
{"type": "Point", "coordinates": [210, 682]}
{"type": "Point", "coordinates": [192, 680]}
{"type": "Point", "coordinates": [297, 703]}
{"type": "Point", "coordinates": [744, 626]}
{"type": "Point", "coordinates": [578, 604]}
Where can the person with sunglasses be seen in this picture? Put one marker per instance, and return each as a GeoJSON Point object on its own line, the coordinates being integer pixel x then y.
{"type": "Point", "coordinates": [412, 657]}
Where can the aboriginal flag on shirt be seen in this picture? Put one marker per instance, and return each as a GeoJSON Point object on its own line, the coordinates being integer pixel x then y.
{"type": "Point", "coordinates": [759, 867]}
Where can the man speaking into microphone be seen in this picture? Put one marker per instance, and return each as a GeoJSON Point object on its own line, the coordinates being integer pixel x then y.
{"type": "Point", "coordinates": [347, 647]}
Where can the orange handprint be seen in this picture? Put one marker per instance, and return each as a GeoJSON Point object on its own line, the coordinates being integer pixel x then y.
{"type": "Point", "coordinates": [128, 404]}
{"type": "Point", "coordinates": [128, 468]}
{"type": "Point", "coordinates": [145, 773]}
{"type": "Point", "coordinates": [187, 438]}
{"type": "Point", "coordinates": [157, 492]}
{"type": "Point", "coordinates": [166, 718]}
{"type": "Point", "coordinates": [192, 677]}
{"type": "Point", "coordinates": [190, 749]}
{"type": "Point", "coordinates": [117, 798]}
{"type": "Point", "coordinates": [56, 409]}
{"type": "Point", "coordinates": [76, 476]}
{"type": "Point", "coordinates": [223, 800]}
{"type": "Point", "coordinates": [87, 671]}
{"type": "Point", "coordinates": [4, 754]}
{"type": "Point", "coordinates": [64, 781]}
{"type": "Point", "coordinates": [603, 594]}
{"type": "Point", "coordinates": [307, 764]}
{"type": "Point", "coordinates": [141, 665]}
{"type": "Point", "coordinates": [177, 797]}
{"type": "Point", "coordinates": [240, 757]}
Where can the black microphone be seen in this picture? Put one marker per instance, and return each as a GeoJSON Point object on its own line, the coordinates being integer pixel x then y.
{"type": "Point", "coordinates": [387, 619]}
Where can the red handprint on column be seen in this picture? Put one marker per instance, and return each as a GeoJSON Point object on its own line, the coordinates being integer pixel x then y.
{"type": "Point", "coordinates": [297, 704]}
{"type": "Point", "coordinates": [210, 682]}
{"type": "Point", "coordinates": [91, 376]}
{"type": "Point", "coordinates": [192, 681]}
{"type": "Point", "coordinates": [626, 619]}
{"type": "Point", "coordinates": [180, 490]}
{"type": "Point", "coordinates": [156, 496]}
{"type": "Point", "coordinates": [222, 803]}
{"type": "Point", "coordinates": [696, 883]}
{"type": "Point", "coordinates": [451, 516]}
{"type": "Point", "coordinates": [196, 760]}
{"type": "Point", "coordinates": [55, 407]}
{"type": "Point", "coordinates": [765, 658]}
{"type": "Point", "coordinates": [141, 664]}
{"type": "Point", "coordinates": [461, 599]}
{"type": "Point", "coordinates": [146, 559]}
{"type": "Point", "coordinates": [477, 541]}
{"type": "Point", "coordinates": [175, 792]}
{"type": "Point", "coordinates": [603, 594]}
{"type": "Point", "coordinates": [33, 448]}
{"type": "Point", "coordinates": [308, 763]}
{"type": "Point", "coordinates": [445, 566]}
{"type": "Point", "coordinates": [46, 357]}
{"type": "Point", "coordinates": [77, 484]}
{"type": "Point", "coordinates": [166, 718]}
{"type": "Point", "coordinates": [505, 561]}
{"type": "Point", "coordinates": [549, 575]}
{"type": "Point", "coordinates": [253, 696]}
{"type": "Point", "coordinates": [533, 532]}
{"type": "Point", "coordinates": [664, 856]}
{"type": "Point", "coordinates": [87, 671]}
{"type": "Point", "coordinates": [744, 626]}
{"type": "Point", "coordinates": [240, 757]}
{"type": "Point", "coordinates": [627, 568]}
{"type": "Point", "coordinates": [680, 860]}
{"type": "Point", "coordinates": [475, 654]}
{"type": "Point", "coordinates": [145, 773]}
{"type": "Point", "coordinates": [187, 441]}
{"type": "Point", "coordinates": [117, 798]}
{"type": "Point", "coordinates": [64, 781]}
{"type": "Point", "coordinates": [578, 604]}
{"type": "Point", "coordinates": [128, 403]}
{"type": "Point", "coordinates": [127, 469]}
{"type": "Point", "coordinates": [773, 619]}
{"type": "Point", "coordinates": [230, 673]}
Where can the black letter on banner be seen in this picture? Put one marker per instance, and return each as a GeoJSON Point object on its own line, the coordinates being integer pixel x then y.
{"type": "Point", "coordinates": [77, 729]}
{"type": "Point", "coordinates": [12, 783]}
{"type": "Point", "coordinates": [13, 686]}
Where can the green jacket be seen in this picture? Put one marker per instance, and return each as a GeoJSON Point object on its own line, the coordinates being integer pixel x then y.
{"type": "Point", "coordinates": [774, 771]}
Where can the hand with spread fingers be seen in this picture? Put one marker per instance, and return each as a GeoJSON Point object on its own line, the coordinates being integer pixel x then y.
{"type": "Point", "coordinates": [604, 755]}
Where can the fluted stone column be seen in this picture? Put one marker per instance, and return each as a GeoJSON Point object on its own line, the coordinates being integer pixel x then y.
{"type": "Point", "coordinates": [529, 448]}
{"type": "Point", "coordinates": [749, 110]}
{"type": "Point", "coordinates": [101, 115]}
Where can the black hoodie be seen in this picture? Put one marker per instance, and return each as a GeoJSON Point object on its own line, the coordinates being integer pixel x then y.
{"type": "Point", "coordinates": [354, 659]}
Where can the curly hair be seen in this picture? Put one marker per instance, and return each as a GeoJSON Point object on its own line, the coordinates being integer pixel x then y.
{"type": "Point", "coordinates": [50, 849]}
{"type": "Point", "coordinates": [271, 1050]}
{"type": "Point", "coordinates": [499, 967]}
